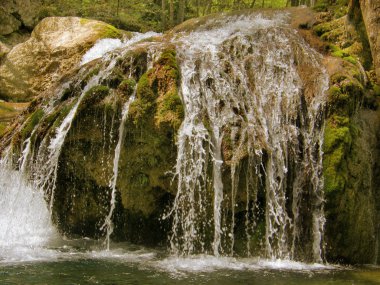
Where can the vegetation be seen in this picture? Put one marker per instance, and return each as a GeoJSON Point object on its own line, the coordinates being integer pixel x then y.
{"type": "Point", "coordinates": [158, 15]}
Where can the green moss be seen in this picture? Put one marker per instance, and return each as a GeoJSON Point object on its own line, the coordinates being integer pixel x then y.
{"type": "Point", "coordinates": [59, 116]}
{"type": "Point", "coordinates": [30, 124]}
{"type": "Point", "coordinates": [144, 89]}
{"type": "Point", "coordinates": [93, 96]}
{"type": "Point", "coordinates": [3, 126]}
{"type": "Point", "coordinates": [127, 87]}
{"type": "Point", "coordinates": [337, 132]}
{"type": "Point", "coordinates": [323, 28]}
{"type": "Point", "coordinates": [170, 110]}
{"type": "Point", "coordinates": [84, 21]}
{"type": "Point", "coordinates": [114, 79]}
{"type": "Point", "coordinates": [376, 89]}
{"type": "Point", "coordinates": [93, 72]}
{"type": "Point", "coordinates": [337, 142]}
{"type": "Point", "coordinates": [346, 92]}
{"type": "Point", "coordinates": [344, 55]}
{"type": "Point", "coordinates": [144, 103]}
{"type": "Point", "coordinates": [109, 31]}
{"type": "Point", "coordinates": [320, 6]}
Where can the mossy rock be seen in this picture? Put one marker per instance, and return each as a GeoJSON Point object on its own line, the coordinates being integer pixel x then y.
{"type": "Point", "coordinates": [93, 96]}
{"type": "Point", "coordinates": [127, 87]}
{"type": "Point", "coordinates": [31, 123]}
{"type": "Point", "coordinates": [157, 93]}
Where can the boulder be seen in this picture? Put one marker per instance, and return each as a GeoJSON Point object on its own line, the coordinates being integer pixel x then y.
{"type": "Point", "coordinates": [55, 47]}
{"type": "Point", "coordinates": [3, 50]}
{"type": "Point", "coordinates": [18, 13]}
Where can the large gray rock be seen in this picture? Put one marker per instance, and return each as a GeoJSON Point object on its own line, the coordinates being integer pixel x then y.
{"type": "Point", "coordinates": [371, 17]}
{"type": "Point", "coordinates": [55, 47]}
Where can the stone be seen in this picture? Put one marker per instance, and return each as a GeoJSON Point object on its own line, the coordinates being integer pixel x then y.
{"type": "Point", "coordinates": [8, 23]}
{"type": "Point", "coordinates": [371, 17]}
{"type": "Point", "coordinates": [55, 47]}
{"type": "Point", "coordinates": [4, 49]}
{"type": "Point", "coordinates": [18, 13]}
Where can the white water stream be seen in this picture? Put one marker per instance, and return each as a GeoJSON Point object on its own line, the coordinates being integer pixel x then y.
{"type": "Point", "coordinates": [108, 224]}
{"type": "Point", "coordinates": [241, 81]}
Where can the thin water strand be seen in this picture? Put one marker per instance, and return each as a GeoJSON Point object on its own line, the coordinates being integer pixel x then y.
{"type": "Point", "coordinates": [108, 224]}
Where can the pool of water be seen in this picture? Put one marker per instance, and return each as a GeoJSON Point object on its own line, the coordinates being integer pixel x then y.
{"type": "Point", "coordinates": [84, 263]}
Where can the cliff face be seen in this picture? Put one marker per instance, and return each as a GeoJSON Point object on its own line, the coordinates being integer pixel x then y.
{"type": "Point", "coordinates": [351, 143]}
{"type": "Point", "coordinates": [371, 17]}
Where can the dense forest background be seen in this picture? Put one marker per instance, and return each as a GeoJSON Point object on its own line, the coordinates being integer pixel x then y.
{"type": "Point", "coordinates": [160, 15]}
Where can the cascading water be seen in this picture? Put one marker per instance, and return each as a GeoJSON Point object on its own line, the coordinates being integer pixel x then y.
{"type": "Point", "coordinates": [108, 225]}
{"type": "Point", "coordinates": [48, 154]}
{"type": "Point", "coordinates": [247, 98]}
{"type": "Point", "coordinates": [23, 192]}
{"type": "Point", "coordinates": [25, 219]}
{"type": "Point", "coordinates": [249, 148]}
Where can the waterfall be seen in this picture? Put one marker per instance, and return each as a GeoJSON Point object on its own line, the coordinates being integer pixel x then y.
{"type": "Point", "coordinates": [48, 154]}
{"type": "Point", "coordinates": [25, 219]}
{"type": "Point", "coordinates": [247, 96]}
{"type": "Point", "coordinates": [249, 150]}
{"type": "Point", "coordinates": [108, 225]}
{"type": "Point", "coordinates": [27, 184]}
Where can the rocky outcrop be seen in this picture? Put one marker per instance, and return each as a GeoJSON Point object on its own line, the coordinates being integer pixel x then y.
{"type": "Point", "coordinates": [371, 17]}
{"type": "Point", "coordinates": [351, 139]}
{"type": "Point", "coordinates": [350, 163]}
{"type": "Point", "coordinates": [145, 185]}
{"type": "Point", "coordinates": [56, 46]}
{"type": "Point", "coordinates": [18, 14]}
{"type": "Point", "coordinates": [144, 188]}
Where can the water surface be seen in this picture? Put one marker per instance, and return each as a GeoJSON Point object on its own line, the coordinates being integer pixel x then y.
{"type": "Point", "coordinates": [83, 263]}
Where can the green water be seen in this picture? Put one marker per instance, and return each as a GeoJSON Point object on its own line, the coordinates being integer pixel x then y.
{"type": "Point", "coordinates": [108, 272]}
{"type": "Point", "coordinates": [131, 265]}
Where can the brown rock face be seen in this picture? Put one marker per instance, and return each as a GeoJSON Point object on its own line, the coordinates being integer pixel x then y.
{"type": "Point", "coordinates": [56, 46]}
{"type": "Point", "coordinates": [371, 17]}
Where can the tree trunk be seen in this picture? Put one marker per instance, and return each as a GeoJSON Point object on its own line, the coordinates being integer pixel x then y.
{"type": "Point", "coordinates": [163, 14]}
{"type": "Point", "coordinates": [171, 13]}
{"type": "Point", "coordinates": [208, 7]}
{"type": "Point", "coordinates": [294, 3]}
{"type": "Point", "coordinates": [181, 11]}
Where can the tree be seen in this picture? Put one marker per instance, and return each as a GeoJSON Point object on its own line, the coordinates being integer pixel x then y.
{"type": "Point", "coordinates": [181, 11]}
{"type": "Point", "coordinates": [171, 13]}
{"type": "Point", "coordinates": [117, 8]}
{"type": "Point", "coordinates": [163, 14]}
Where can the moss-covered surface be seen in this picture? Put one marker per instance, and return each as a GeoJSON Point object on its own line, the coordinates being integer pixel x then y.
{"type": "Point", "coordinates": [148, 152]}
{"type": "Point", "coordinates": [345, 33]}
{"type": "Point", "coordinates": [348, 170]}
{"type": "Point", "coordinates": [350, 142]}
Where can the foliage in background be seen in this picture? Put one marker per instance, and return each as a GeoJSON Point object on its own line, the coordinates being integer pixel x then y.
{"type": "Point", "coordinates": [157, 15]}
